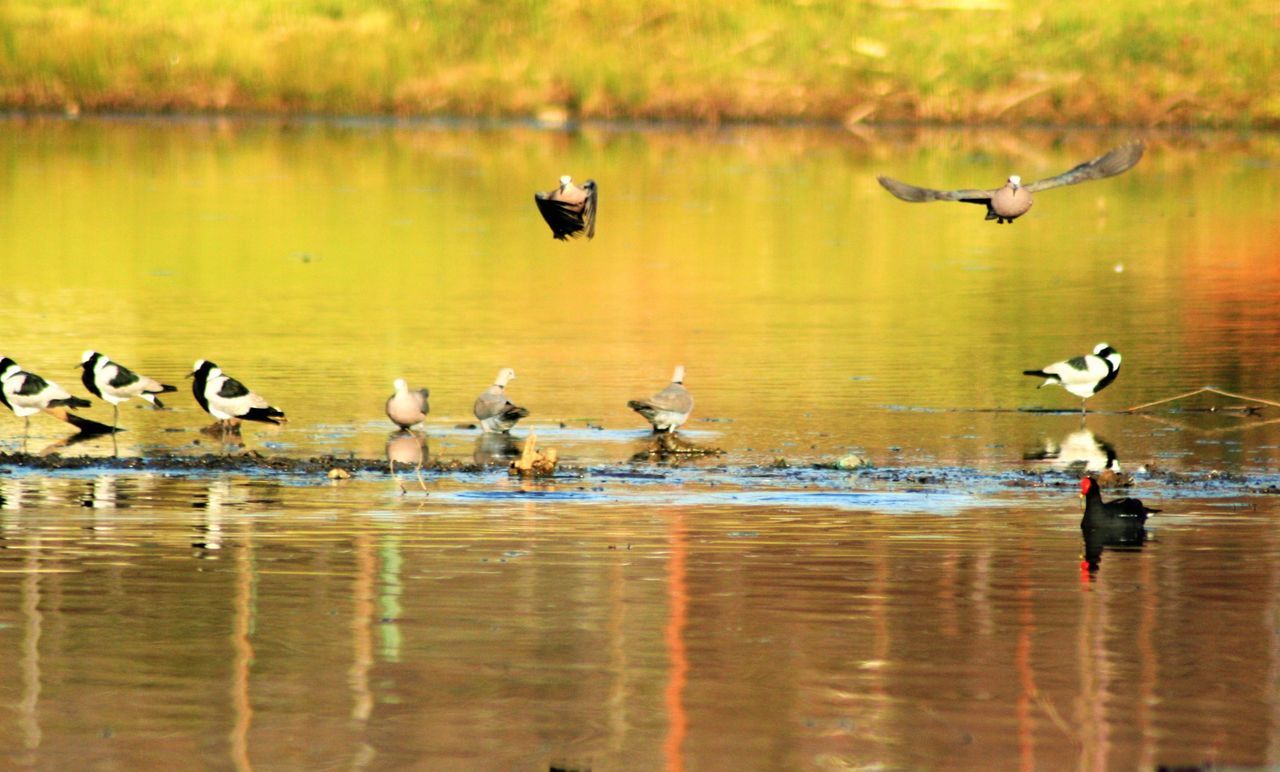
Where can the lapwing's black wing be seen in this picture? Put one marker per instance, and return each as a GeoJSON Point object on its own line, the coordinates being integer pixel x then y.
{"type": "Point", "coordinates": [915, 194]}
{"type": "Point", "coordinates": [1119, 160]}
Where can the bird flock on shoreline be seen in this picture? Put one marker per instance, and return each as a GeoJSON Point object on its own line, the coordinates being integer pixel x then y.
{"type": "Point", "coordinates": [570, 211]}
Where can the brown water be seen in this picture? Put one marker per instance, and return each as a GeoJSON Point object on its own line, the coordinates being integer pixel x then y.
{"type": "Point", "coordinates": [638, 616]}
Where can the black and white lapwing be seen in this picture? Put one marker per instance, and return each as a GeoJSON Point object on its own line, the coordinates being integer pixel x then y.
{"type": "Point", "coordinates": [227, 399]}
{"type": "Point", "coordinates": [495, 412]}
{"type": "Point", "coordinates": [407, 407]}
{"type": "Point", "coordinates": [1083, 376]}
{"type": "Point", "coordinates": [1010, 202]}
{"type": "Point", "coordinates": [669, 408]}
{"type": "Point", "coordinates": [115, 383]}
{"type": "Point", "coordinates": [569, 210]}
{"type": "Point", "coordinates": [26, 394]}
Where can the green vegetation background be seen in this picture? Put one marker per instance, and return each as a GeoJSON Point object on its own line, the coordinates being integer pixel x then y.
{"type": "Point", "coordinates": [1184, 62]}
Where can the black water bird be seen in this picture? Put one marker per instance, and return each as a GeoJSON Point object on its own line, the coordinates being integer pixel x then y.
{"type": "Point", "coordinates": [569, 210]}
{"type": "Point", "coordinates": [1008, 203]}
{"type": "Point", "coordinates": [1116, 523]}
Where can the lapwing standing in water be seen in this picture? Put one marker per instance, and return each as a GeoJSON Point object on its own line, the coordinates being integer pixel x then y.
{"type": "Point", "coordinates": [115, 383]}
{"type": "Point", "coordinates": [1083, 376]}
{"type": "Point", "coordinates": [495, 412]}
{"type": "Point", "coordinates": [26, 394]}
{"type": "Point", "coordinates": [669, 408]}
{"type": "Point", "coordinates": [406, 408]}
{"type": "Point", "coordinates": [1010, 202]}
{"type": "Point", "coordinates": [227, 399]}
{"type": "Point", "coordinates": [569, 210]}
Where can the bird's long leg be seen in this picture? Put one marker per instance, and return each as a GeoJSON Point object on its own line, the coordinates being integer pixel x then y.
{"type": "Point", "coordinates": [396, 477]}
{"type": "Point", "coordinates": [115, 418]}
{"type": "Point", "coordinates": [421, 482]}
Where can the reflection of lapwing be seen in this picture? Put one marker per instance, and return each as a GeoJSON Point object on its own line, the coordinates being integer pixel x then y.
{"type": "Point", "coordinates": [495, 412]}
{"type": "Point", "coordinates": [1010, 202]}
{"type": "Point", "coordinates": [569, 210]}
{"type": "Point", "coordinates": [1083, 376]}
{"type": "Point", "coordinates": [26, 394]}
{"type": "Point", "coordinates": [407, 407]}
{"type": "Point", "coordinates": [669, 408]}
{"type": "Point", "coordinates": [1080, 449]}
{"type": "Point", "coordinates": [407, 448]}
{"type": "Point", "coordinates": [227, 400]}
{"type": "Point", "coordinates": [116, 383]}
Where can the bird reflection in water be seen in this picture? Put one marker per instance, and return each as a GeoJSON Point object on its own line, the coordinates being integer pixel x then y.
{"type": "Point", "coordinates": [407, 448]}
{"type": "Point", "coordinates": [1119, 524]}
{"type": "Point", "coordinates": [495, 449]}
{"type": "Point", "coordinates": [1081, 451]}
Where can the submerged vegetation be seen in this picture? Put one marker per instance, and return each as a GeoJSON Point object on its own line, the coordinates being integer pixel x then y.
{"type": "Point", "coordinates": [1187, 62]}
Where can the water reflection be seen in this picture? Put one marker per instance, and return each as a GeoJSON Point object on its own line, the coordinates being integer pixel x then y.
{"type": "Point", "coordinates": [1080, 451]}
{"type": "Point", "coordinates": [495, 449]}
{"type": "Point", "coordinates": [810, 637]}
{"type": "Point", "coordinates": [407, 448]}
{"type": "Point", "coordinates": [1127, 537]}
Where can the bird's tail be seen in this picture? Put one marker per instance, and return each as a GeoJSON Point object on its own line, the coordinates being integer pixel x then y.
{"type": "Point", "coordinates": [269, 415]}
{"type": "Point", "coordinates": [82, 425]}
{"type": "Point", "coordinates": [514, 413]}
{"type": "Point", "coordinates": [1050, 377]}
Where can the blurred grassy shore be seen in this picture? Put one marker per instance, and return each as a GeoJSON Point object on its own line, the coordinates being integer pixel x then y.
{"type": "Point", "coordinates": [1141, 62]}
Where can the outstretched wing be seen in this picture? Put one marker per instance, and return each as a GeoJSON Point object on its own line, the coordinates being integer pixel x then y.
{"type": "Point", "coordinates": [1109, 164]}
{"type": "Point", "coordinates": [589, 208]}
{"type": "Point", "coordinates": [565, 219]}
{"type": "Point", "coordinates": [908, 192]}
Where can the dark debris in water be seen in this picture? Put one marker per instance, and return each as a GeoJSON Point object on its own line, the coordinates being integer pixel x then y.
{"type": "Point", "coordinates": [248, 462]}
{"type": "Point", "coordinates": [936, 478]}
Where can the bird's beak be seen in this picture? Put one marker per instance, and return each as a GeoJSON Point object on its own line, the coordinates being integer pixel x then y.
{"type": "Point", "coordinates": [191, 374]}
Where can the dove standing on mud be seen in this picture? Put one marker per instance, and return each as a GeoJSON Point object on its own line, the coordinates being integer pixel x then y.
{"type": "Point", "coordinates": [406, 408]}
{"type": "Point", "coordinates": [669, 408]}
{"type": "Point", "coordinates": [1083, 376]}
{"type": "Point", "coordinates": [495, 412]}
{"type": "Point", "coordinates": [115, 383]}
{"type": "Point", "coordinates": [1010, 202]}
{"type": "Point", "coordinates": [569, 210]}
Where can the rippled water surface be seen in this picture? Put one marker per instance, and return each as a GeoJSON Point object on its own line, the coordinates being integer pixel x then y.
{"type": "Point", "coordinates": [745, 610]}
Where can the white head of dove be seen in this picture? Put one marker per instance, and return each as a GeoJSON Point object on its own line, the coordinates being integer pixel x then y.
{"type": "Point", "coordinates": [1010, 202]}
{"type": "Point", "coordinates": [228, 400]}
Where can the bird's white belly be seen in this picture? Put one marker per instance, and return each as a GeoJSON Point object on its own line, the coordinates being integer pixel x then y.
{"type": "Point", "coordinates": [664, 420]}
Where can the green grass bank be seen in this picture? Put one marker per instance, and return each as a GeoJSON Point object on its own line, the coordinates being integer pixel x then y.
{"type": "Point", "coordinates": [1179, 62]}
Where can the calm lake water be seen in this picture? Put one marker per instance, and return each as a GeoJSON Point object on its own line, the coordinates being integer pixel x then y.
{"type": "Point", "coordinates": [716, 614]}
